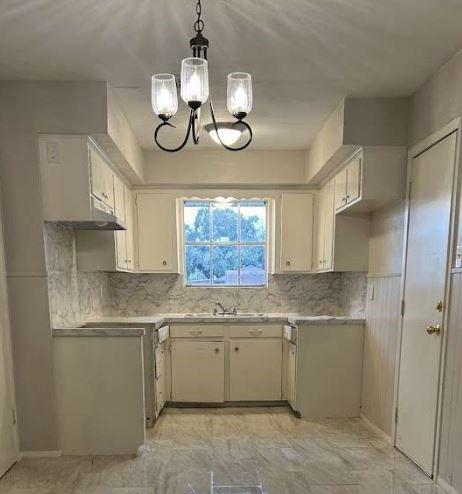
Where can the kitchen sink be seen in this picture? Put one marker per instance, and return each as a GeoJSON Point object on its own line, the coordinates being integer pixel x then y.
{"type": "Point", "coordinates": [228, 316]}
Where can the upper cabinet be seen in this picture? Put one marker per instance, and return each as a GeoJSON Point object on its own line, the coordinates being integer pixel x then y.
{"type": "Point", "coordinates": [157, 232]}
{"type": "Point", "coordinates": [324, 227]}
{"type": "Point", "coordinates": [77, 183]}
{"type": "Point", "coordinates": [110, 250]}
{"type": "Point", "coordinates": [341, 241]}
{"type": "Point", "coordinates": [102, 179]}
{"type": "Point", "coordinates": [296, 239]}
{"type": "Point", "coordinates": [371, 179]}
{"type": "Point", "coordinates": [348, 183]}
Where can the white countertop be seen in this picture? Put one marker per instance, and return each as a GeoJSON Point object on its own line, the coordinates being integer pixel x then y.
{"type": "Point", "coordinates": [135, 325]}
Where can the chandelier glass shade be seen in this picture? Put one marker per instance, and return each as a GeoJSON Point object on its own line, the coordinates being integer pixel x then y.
{"type": "Point", "coordinates": [194, 91]}
{"type": "Point", "coordinates": [163, 95]}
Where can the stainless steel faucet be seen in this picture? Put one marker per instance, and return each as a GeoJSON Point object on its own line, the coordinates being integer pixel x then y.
{"type": "Point", "coordinates": [223, 310]}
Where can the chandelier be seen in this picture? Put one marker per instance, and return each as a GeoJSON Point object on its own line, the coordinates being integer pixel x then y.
{"type": "Point", "coordinates": [194, 90]}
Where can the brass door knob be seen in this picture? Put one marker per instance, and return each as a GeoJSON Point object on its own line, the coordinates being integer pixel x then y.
{"type": "Point", "coordinates": [436, 329]}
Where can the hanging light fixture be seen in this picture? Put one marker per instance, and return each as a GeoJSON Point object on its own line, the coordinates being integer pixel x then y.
{"type": "Point", "coordinates": [194, 91]}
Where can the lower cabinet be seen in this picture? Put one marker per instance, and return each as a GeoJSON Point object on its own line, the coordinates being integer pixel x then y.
{"type": "Point", "coordinates": [255, 370]}
{"type": "Point", "coordinates": [198, 371]}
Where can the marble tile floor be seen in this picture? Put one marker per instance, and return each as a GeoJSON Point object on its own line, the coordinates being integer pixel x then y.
{"type": "Point", "coordinates": [234, 451]}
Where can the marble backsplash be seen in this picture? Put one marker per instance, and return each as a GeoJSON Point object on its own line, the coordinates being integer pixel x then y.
{"type": "Point", "coordinates": [324, 293]}
{"type": "Point", "coordinates": [74, 295]}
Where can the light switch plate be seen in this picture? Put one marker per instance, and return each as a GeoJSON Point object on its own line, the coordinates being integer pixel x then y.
{"type": "Point", "coordinates": [459, 256]}
{"type": "Point", "coordinates": [52, 150]}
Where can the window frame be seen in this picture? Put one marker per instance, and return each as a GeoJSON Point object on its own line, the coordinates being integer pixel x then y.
{"type": "Point", "coordinates": [238, 243]}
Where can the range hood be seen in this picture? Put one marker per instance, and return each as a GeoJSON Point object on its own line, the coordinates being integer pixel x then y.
{"type": "Point", "coordinates": [101, 218]}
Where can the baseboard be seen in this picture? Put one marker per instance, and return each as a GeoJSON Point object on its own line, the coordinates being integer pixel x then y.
{"type": "Point", "coordinates": [41, 454]}
{"type": "Point", "coordinates": [445, 486]}
{"type": "Point", "coordinates": [377, 430]}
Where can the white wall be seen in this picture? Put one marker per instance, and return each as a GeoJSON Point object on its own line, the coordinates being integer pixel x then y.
{"type": "Point", "coordinates": [224, 167]}
{"type": "Point", "coordinates": [28, 108]}
{"type": "Point", "coordinates": [382, 315]}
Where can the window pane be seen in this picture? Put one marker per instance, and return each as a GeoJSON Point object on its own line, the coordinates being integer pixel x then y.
{"type": "Point", "coordinates": [253, 221]}
{"type": "Point", "coordinates": [197, 265]}
{"type": "Point", "coordinates": [197, 221]}
{"type": "Point", "coordinates": [225, 265]}
{"type": "Point", "coordinates": [225, 217]}
{"type": "Point", "coordinates": [253, 270]}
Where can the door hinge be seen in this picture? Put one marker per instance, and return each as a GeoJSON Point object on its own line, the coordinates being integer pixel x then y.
{"type": "Point", "coordinates": [396, 415]}
{"type": "Point", "coordinates": [15, 420]}
{"type": "Point", "coordinates": [402, 307]}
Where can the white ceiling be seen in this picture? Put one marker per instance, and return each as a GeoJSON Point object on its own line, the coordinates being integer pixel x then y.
{"type": "Point", "coordinates": [304, 55]}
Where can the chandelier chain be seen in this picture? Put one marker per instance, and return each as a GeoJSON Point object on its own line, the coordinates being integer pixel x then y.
{"type": "Point", "coordinates": [199, 24]}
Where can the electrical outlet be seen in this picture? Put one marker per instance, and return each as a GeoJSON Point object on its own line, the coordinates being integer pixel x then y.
{"type": "Point", "coordinates": [53, 152]}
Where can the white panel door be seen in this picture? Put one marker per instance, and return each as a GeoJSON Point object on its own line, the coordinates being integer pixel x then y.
{"type": "Point", "coordinates": [255, 370]}
{"type": "Point", "coordinates": [425, 282]}
{"type": "Point", "coordinates": [198, 371]}
{"type": "Point", "coordinates": [8, 429]}
{"type": "Point", "coordinates": [296, 232]}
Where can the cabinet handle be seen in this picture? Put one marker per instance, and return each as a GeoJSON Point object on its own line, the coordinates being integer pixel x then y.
{"type": "Point", "coordinates": [236, 348]}
{"type": "Point", "coordinates": [344, 199]}
{"type": "Point", "coordinates": [287, 263]}
{"type": "Point", "coordinates": [195, 332]}
{"type": "Point", "coordinates": [164, 263]}
{"type": "Point", "coordinates": [217, 350]}
{"type": "Point", "coordinates": [256, 331]}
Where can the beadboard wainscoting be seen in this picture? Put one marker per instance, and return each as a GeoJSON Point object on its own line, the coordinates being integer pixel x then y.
{"type": "Point", "coordinates": [74, 295]}
{"type": "Point", "coordinates": [310, 294]}
{"type": "Point", "coordinates": [382, 322]}
{"type": "Point", "coordinates": [451, 428]}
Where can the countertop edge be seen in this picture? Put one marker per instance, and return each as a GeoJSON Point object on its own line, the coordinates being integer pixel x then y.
{"type": "Point", "coordinates": [117, 332]}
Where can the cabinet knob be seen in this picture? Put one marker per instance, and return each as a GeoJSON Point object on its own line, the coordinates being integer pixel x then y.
{"type": "Point", "coordinates": [164, 263]}
{"type": "Point", "coordinates": [236, 348]}
{"type": "Point", "coordinates": [287, 263]}
{"type": "Point", "coordinates": [217, 350]}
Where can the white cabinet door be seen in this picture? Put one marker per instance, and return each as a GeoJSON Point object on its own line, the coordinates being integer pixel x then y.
{"type": "Point", "coordinates": [198, 371]}
{"type": "Point", "coordinates": [296, 232]}
{"type": "Point", "coordinates": [255, 370]}
{"type": "Point", "coordinates": [319, 230]}
{"type": "Point", "coordinates": [102, 179]}
{"type": "Point", "coordinates": [121, 235]}
{"type": "Point", "coordinates": [340, 189]}
{"type": "Point", "coordinates": [328, 218]}
{"type": "Point", "coordinates": [119, 198]}
{"type": "Point", "coordinates": [130, 233]}
{"type": "Point", "coordinates": [157, 249]}
{"type": "Point", "coordinates": [353, 179]}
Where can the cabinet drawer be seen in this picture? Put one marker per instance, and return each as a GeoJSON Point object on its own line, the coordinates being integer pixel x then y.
{"type": "Point", "coordinates": [196, 330]}
{"type": "Point", "coordinates": [255, 331]}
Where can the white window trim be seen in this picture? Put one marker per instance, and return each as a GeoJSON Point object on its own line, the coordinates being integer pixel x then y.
{"type": "Point", "coordinates": [269, 244]}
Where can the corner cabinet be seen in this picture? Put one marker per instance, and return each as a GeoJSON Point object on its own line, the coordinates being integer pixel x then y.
{"type": "Point", "coordinates": [371, 179]}
{"type": "Point", "coordinates": [296, 232]}
{"type": "Point", "coordinates": [341, 241]}
{"type": "Point", "coordinates": [156, 217]}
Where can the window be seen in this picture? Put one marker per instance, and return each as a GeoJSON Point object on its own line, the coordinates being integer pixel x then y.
{"type": "Point", "coordinates": [225, 243]}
